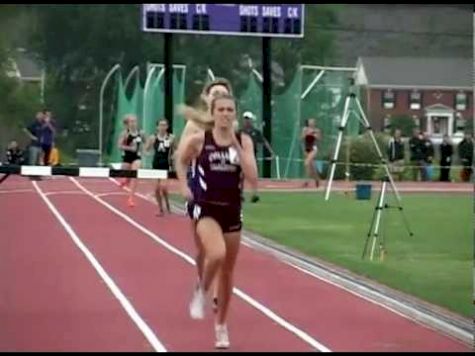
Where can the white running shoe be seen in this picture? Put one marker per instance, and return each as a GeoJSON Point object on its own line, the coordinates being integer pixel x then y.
{"type": "Point", "coordinates": [197, 305]}
{"type": "Point", "coordinates": [222, 338]}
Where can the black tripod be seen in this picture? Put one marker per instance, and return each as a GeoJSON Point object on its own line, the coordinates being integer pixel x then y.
{"type": "Point", "coordinates": [373, 234]}
{"type": "Point", "coordinates": [352, 101]}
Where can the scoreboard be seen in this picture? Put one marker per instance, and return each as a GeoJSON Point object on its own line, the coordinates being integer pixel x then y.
{"type": "Point", "coordinates": [262, 20]}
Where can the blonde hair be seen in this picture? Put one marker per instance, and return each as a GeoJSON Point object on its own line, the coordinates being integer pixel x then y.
{"type": "Point", "coordinates": [218, 81]}
{"type": "Point", "coordinates": [220, 97]}
{"type": "Point", "coordinates": [201, 115]}
{"type": "Point", "coordinates": [127, 117]}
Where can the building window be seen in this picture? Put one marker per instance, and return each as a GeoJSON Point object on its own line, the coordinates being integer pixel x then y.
{"type": "Point", "coordinates": [460, 123]}
{"type": "Point", "coordinates": [389, 99]}
{"type": "Point", "coordinates": [415, 100]}
{"type": "Point", "coordinates": [461, 101]}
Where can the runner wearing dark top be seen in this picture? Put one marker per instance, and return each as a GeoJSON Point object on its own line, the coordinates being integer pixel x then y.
{"type": "Point", "coordinates": [198, 121]}
{"type": "Point", "coordinates": [162, 143]}
{"type": "Point", "coordinates": [131, 143]}
{"type": "Point", "coordinates": [220, 159]}
{"type": "Point", "coordinates": [310, 137]}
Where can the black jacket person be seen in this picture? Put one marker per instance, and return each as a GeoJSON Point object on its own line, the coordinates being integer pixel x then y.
{"type": "Point", "coordinates": [465, 151]}
{"type": "Point", "coordinates": [446, 152]}
{"type": "Point", "coordinates": [14, 156]}
{"type": "Point", "coordinates": [417, 150]}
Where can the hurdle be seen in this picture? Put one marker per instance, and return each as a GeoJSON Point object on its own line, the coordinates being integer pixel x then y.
{"type": "Point", "coordinates": [85, 172]}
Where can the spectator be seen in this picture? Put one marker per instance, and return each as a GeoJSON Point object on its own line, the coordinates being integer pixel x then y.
{"type": "Point", "coordinates": [310, 137]}
{"type": "Point", "coordinates": [256, 135]}
{"type": "Point", "coordinates": [428, 156]}
{"type": "Point", "coordinates": [396, 154]}
{"type": "Point", "coordinates": [465, 151]}
{"type": "Point", "coordinates": [34, 132]}
{"type": "Point", "coordinates": [446, 152]}
{"type": "Point", "coordinates": [14, 156]}
{"type": "Point", "coordinates": [417, 148]}
{"type": "Point", "coordinates": [54, 157]}
{"type": "Point", "coordinates": [47, 137]}
{"type": "Point", "coordinates": [14, 153]}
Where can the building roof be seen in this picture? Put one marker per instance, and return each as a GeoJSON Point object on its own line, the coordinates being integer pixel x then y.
{"type": "Point", "coordinates": [418, 72]}
{"type": "Point", "coordinates": [25, 67]}
{"type": "Point", "coordinates": [439, 107]}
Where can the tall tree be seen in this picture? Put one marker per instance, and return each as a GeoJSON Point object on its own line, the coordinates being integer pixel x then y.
{"type": "Point", "coordinates": [80, 43]}
{"type": "Point", "coordinates": [17, 102]}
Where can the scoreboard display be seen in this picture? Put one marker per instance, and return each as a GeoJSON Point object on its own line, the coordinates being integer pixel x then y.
{"type": "Point", "coordinates": [262, 20]}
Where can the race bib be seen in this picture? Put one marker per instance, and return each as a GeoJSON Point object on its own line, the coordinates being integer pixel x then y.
{"type": "Point", "coordinates": [233, 156]}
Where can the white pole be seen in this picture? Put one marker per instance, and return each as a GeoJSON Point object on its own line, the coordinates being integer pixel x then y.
{"type": "Point", "coordinates": [101, 107]}
{"type": "Point", "coordinates": [43, 86]}
{"type": "Point", "coordinates": [160, 75]}
{"type": "Point", "coordinates": [344, 120]}
{"type": "Point", "coordinates": [347, 69]}
{"type": "Point", "coordinates": [134, 70]}
{"type": "Point", "coordinates": [184, 73]}
{"type": "Point", "coordinates": [380, 154]}
{"type": "Point", "coordinates": [378, 219]}
{"type": "Point", "coordinates": [154, 85]}
{"type": "Point", "coordinates": [295, 134]}
{"type": "Point", "coordinates": [211, 74]}
{"type": "Point", "coordinates": [145, 91]}
{"type": "Point", "coordinates": [258, 75]}
{"type": "Point", "coordinates": [277, 166]}
{"type": "Point", "coordinates": [314, 82]}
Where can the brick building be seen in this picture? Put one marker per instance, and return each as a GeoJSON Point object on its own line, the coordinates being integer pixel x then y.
{"type": "Point", "coordinates": [436, 92]}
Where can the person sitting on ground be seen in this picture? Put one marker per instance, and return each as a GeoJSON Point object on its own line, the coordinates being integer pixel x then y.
{"type": "Point", "coordinates": [14, 156]}
{"type": "Point", "coordinates": [14, 153]}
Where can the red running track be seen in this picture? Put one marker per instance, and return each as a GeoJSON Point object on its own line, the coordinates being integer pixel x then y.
{"type": "Point", "coordinates": [344, 186]}
{"type": "Point", "coordinates": [53, 299]}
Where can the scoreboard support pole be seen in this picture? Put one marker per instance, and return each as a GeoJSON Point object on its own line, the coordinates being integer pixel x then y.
{"type": "Point", "coordinates": [258, 20]}
{"type": "Point", "coordinates": [267, 102]}
{"type": "Point", "coordinates": [168, 62]}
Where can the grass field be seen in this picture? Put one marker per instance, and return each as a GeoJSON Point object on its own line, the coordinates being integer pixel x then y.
{"type": "Point", "coordinates": [434, 265]}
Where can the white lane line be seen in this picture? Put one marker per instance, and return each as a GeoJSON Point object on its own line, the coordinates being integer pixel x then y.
{"type": "Point", "coordinates": [401, 309]}
{"type": "Point", "coordinates": [410, 313]}
{"type": "Point", "coordinates": [248, 299]}
{"type": "Point", "coordinates": [110, 193]}
{"type": "Point", "coordinates": [128, 307]}
{"type": "Point", "coordinates": [16, 191]}
{"type": "Point", "coordinates": [64, 192]}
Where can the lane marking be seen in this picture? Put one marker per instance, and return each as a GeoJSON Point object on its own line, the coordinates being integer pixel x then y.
{"type": "Point", "coordinates": [124, 302]}
{"type": "Point", "coordinates": [64, 192]}
{"type": "Point", "coordinates": [241, 294]}
{"type": "Point", "coordinates": [110, 193]}
{"type": "Point", "coordinates": [393, 305]}
{"type": "Point", "coordinates": [16, 191]}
